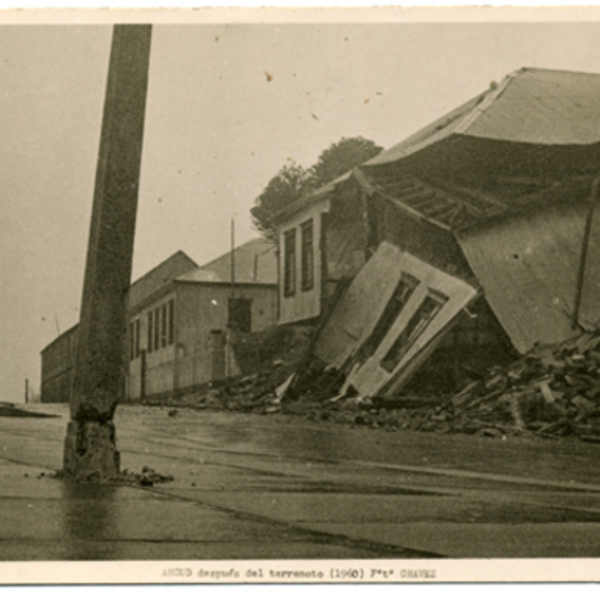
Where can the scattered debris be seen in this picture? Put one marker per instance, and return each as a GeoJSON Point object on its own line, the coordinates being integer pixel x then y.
{"type": "Point", "coordinates": [553, 391]}
{"type": "Point", "coordinates": [259, 393]}
{"type": "Point", "coordinates": [147, 478]}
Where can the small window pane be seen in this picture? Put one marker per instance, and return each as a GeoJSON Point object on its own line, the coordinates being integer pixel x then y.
{"type": "Point", "coordinates": [308, 279]}
{"type": "Point", "coordinates": [137, 337]}
{"type": "Point", "coordinates": [240, 314]}
{"type": "Point", "coordinates": [131, 341]}
{"type": "Point", "coordinates": [156, 328]}
{"type": "Point", "coordinates": [163, 314]}
{"type": "Point", "coordinates": [289, 274]}
{"type": "Point", "coordinates": [150, 332]}
{"type": "Point", "coordinates": [390, 314]}
{"type": "Point", "coordinates": [415, 327]}
{"type": "Point", "coordinates": [171, 321]}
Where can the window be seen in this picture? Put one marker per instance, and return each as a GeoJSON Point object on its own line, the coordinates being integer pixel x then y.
{"type": "Point", "coordinates": [240, 314]}
{"type": "Point", "coordinates": [157, 328]}
{"type": "Point", "coordinates": [289, 273]}
{"type": "Point", "coordinates": [131, 341]}
{"type": "Point", "coordinates": [308, 272]}
{"type": "Point", "coordinates": [430, 306]}
{"type": "Point", "coordinates": [394, 307]}
{"type": "Point", "coordinates": [171, 321]}
{"type": "Point", "coordinates": [136, 335]}
{"type": "Point", "coordinates": [150, 332]}
{"type": "Point", "coordinates": [163, 328]}
{"type": "Point", "coordinates": [161, 323]}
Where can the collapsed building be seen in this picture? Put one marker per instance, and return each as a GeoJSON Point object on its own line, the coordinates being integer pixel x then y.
{"type": "Point", "coordinates": [464, 246]}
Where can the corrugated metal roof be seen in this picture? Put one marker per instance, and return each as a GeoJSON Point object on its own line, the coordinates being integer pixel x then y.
{"type": "Point", "coordinates": [531, 106]}
{"type": "Point", "coordinates": [528, 269]}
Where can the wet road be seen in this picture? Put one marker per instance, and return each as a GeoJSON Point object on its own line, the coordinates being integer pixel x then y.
{"type": "Point", "coordinates": [249, 486]}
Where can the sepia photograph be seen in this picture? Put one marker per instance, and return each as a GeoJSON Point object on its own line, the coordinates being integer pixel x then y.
{"type": "Point", "coordinates": [300, 296]}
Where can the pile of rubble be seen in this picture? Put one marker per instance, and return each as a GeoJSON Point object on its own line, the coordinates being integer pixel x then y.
{"type": "Point", "coordinates": [260, 393]}
{"type": "Point", "coordinates": [554, 391]}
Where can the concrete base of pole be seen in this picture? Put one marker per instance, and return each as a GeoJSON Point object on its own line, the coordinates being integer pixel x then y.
{"type": "Point", "coordinates": [90, 451]}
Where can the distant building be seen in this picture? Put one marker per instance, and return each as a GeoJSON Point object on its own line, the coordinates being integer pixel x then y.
{"type": "Point", "coordinates": [178, 336]}
{"type": "Point", "coordinates": [58, 358]}
{"type": "Point", "coordinates": [180, 317]}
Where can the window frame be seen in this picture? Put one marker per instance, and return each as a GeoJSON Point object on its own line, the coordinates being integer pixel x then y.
{"type": "Point", "coordinates": [307, 256]}
{"type": "Point", "coordinates": [289, 263]}
{"type": "Point", "coordinates": [163, 325]}
{"type": "Point", "coordinates": [150, 338]}
{"type": "Point", "coordinates": [403, 292]}
{"type": "Point", "coordinates": [137, 328]}
{"type": "Point", "coordinates": [132, 340]}
{"type": "Point", "coordinates": [171, 324]}
{"type": "Point", "coordinates": [413, 329]}
{"type": "Point", "coordinates": [232, 308]}
{"type": "Point", "coordinates": [157, 328]}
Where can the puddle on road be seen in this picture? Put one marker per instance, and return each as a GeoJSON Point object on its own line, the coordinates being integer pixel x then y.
{"type": "Point", "coordinates": [89, 513]}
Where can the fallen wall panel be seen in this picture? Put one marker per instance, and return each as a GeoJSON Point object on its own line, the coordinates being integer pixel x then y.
{"type": "Point", "coordinates": [394, 309]}
{"type": "Point", "coordinates": [527, 266]}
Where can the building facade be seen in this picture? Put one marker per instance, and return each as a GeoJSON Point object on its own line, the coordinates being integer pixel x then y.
{"type": "Point", "coordinates": [181, 320]}
{"type": "Point", "coordinates": [181, 337]}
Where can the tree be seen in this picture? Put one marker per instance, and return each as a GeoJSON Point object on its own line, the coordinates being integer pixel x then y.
{"type": "Point", "coordinates": [289, 185]}
{"type": "Point", "coordinates": [340, 158]}
{"type": "Point", "coordinates": [292, 181]}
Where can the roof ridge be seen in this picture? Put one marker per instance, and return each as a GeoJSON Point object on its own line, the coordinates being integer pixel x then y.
{"type": "Point", "coordinates": [493, 94]}
{"type": "Point", "coordinates": [147, 273]}
{"type": "Point", "coordinates": [548, 70]}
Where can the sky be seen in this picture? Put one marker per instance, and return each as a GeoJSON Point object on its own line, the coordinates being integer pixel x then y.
{"type": "Point", "coordinates": [217, 129]}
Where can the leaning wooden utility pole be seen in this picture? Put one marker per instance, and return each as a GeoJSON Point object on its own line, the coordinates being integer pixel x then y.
{"type": "Point", "coordinates": [98, 381]}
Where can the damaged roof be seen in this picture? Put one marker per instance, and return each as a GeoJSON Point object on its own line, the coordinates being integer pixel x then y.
{"type": "Point", "coordinates": [531, 106]}
{"type": "Point", "coordinates": [455, 208]}
{"type": "Point", "coordinates": [541, 108]}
